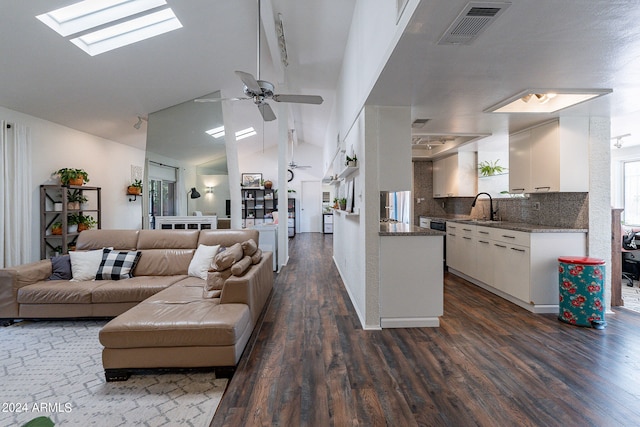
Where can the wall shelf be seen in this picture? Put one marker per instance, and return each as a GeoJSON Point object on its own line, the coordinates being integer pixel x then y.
{"type": "Point", "coordinates": [347, 172]}
{"type": "Point", "coordinates": [356, 212]}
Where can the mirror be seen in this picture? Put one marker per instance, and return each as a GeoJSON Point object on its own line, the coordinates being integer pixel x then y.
{"type": "Point", "coordinates": [177, 138]}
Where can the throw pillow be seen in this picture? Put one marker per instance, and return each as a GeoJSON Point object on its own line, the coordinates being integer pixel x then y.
{"type": "Point", "coordinates": [257, 257]}
{"type": "Point", "coordinates": [199, 265]}
{"type": "Point", "coordinates": [249, 247]}
{"type": "Point", "coordinates": [85, 264]}
{"type": "Point", "coordinates": [61, 268]}
{"type": "Point", "coordinates": [116, 265]}
{"type": "Point", "coordinates": [216, 279]}
{"type": "Point", "coordinates": [239, 268]}
{"type": "Point", "coordinates": [226, 259]}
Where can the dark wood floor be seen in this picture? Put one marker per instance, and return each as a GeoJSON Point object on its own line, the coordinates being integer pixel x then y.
{"type": "Point", "coordinates": [490, 363]}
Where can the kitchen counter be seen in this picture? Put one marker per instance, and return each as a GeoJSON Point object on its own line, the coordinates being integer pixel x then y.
{"type": "Point", "coordinates": [402, 229]}
{"type": "Point", "coordinates": [521, 226]}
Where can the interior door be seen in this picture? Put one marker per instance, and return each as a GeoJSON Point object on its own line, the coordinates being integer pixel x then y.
{"type": "Point", "coordinates": [311, 207]}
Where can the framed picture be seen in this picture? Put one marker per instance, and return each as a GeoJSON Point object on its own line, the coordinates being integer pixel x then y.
{"type": "Point", "coordinates": [350, 195]}
{"type": "Point", "coordinates": [251, 180]}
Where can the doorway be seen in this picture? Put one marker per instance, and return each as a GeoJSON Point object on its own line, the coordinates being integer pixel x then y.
{"type": "Point", "coordinates": [311, 207]}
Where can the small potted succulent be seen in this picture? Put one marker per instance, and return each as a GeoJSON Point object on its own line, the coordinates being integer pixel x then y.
{"type": "Point", "coordinates": [343, 204]}
{"type": "Point", "coordinates": [72, 223]}
{"type": "Point", "coordinates": [135, 188]}
{"type": "Point", "coordinates": [56, 228]}
{"type": "Point", "coordinates": [351, 161]}
{"type": "Point", "coordinates": [70, 176]}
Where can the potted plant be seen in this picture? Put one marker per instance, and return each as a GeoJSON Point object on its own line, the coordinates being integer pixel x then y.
{"type": "Point", "coordinates": [343, 204]}
{"type": "Point", "coordinates": [489, 168]}
{"type": "Point", "coordinates": [86, 222]}
{"type": "Point", "coordinates": [74, 199]}
{"type": "Point", "coordinates": [336, 203]}
{"type": "Point", "coordinates": [70, 176]}
{"type": "Point", "coordinates": [72, 223]}
{"type": "Point", "coordinates": [351, 161]}
{"type": "Point", "coordinates": [56, 228]}
{"type": "Point", "coordinates": [135, 188]}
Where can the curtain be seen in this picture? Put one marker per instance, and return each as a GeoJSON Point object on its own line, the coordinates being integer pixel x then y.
{"type": "Point", "coordinates": [402, 203]}
{"type": "Point", "coordinates": [16, 213]}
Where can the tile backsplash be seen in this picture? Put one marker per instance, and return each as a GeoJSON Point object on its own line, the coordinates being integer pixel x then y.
{"type": "Point", "coordinates": [555, 209]}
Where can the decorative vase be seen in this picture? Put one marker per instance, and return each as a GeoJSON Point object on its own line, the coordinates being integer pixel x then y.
{"type": "Point", "coordinates": [73, 206]}
{"type": "Point", "coordinates": [343, 206]}
{"type": "Point", "coordinates": [268, 184]}
{"type": "Point", "coordinates": [72, 228]}
{"type": "Point", "coordinates": [56, 231]}
{"type": "Point", "coordinates": [57, 206]}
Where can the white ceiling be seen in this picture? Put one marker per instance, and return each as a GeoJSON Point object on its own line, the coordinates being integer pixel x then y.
{"type": "Point", "coordinates": [534, 44]}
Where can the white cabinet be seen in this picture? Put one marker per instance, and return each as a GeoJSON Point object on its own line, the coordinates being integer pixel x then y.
{"type": "Point", "coordinates": [549, 158]}
{"type": "Point", "coordinates": [521, 267]}
{"type": "Point", "coordinates": [456, 175]}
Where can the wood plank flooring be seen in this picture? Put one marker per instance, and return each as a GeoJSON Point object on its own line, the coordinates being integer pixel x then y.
{"type": "Point", "coordinates": [490, 363]}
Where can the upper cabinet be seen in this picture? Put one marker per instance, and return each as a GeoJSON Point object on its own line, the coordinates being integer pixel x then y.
{"type": "Point", "coordinates": [456, 175]}
{"type": "Point", "coordinates": [552, 157]}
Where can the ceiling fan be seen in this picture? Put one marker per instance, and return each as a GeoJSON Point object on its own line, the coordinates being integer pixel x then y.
{"type": "Point", "coordinates": [261, 90]}
{"type": "Point", "coordinates": [292, 164]}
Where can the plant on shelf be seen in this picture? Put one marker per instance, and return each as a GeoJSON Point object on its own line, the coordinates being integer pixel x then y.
{"type": "Point", "coordinates": [56, 228]}
{"type": "Point", "coordinates": [343, 204]}
{"type": "Point", "coordinates": [336, 203]}
{"type": "Point", "coordinates": [70, 176]}
{"type": "Point", "coordinates": [135, 188]}
{"type": "Point", "coordinates": [351, 161]}
{"type": "Point", "coordinates": [72, 223]}
{"type": "Point", "coordinates": [489, 168]}
{"type": "Point", "coordinates": [86, 222]}
{"type": "Point", "coordinates": [74, 199]}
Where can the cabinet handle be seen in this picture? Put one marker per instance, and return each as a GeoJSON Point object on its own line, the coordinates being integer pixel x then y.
{"type": "Point", "coordinates": [466, 238]}
{"type": "Point", "coordinates": [452, 226]}
{"type": "Point", "coordinates": [508, 237]}
{"type": "Point", "coordinates": [500, 246]}
{"type": "Point", "coordinates": [483, 241]}
{"type": "Point", "coordinates": [483, 232]}
{"type": "Point", "coordinates": [517, 189]}
{"type": "Point", "coordinates": [547, 188]}
{"type": "Point", "coordinates": [451, 234]}
{"type": "Point", "coordinates": [467, 229]}
{"type": "Point", "coordinates": [516, 249]}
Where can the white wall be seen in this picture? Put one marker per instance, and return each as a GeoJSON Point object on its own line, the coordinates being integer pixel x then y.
{"type": "Point", "coordinates": [618, 157]}
{"type": "Point", "coordinates": [108, 164]}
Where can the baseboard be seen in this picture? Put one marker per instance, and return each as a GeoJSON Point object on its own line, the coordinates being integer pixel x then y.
{"type": "Point", "coordinates": [410, 322]}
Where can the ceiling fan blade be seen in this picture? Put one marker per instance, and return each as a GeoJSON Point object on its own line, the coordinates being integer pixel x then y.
{"type": "Point", "coordinates": [249, 81]}
{"type": "Point", "coordinates": [300, 99]}
{"type": "Point", "coordinates": [218, 99]}
{"type": "Point", "coordinates": [266, 111]}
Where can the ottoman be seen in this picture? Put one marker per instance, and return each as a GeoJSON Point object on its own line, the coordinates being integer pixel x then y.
{"type": "Point", "coordinates": [176, 328]}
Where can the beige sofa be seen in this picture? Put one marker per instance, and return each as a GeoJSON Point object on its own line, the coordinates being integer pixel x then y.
{"type": "Point", "coordinates": [163, 320]}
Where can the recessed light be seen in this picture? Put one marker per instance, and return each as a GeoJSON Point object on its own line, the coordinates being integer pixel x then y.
{"type": "Point", "coordinates": [245, 133]}
{"type": "Point", "coordinates": [545, 100]}
{"type": "Point", "coordinates": [100, 26]}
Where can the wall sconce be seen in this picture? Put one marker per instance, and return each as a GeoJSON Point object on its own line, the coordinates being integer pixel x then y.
{"type": "Point", "coordinates": [209, 190]}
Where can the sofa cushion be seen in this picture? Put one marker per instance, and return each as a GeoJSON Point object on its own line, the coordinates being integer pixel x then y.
{"type": "Point", "coordinates": [227, 237]}
{"type": "Point", "coordinates": [116, 265]}
{"type": "Point", "coordinates": [135, 289]}
{"type": "Point", "coordinates": [216, 279]}
{"type": "Point", "coordinates": [85, 264]}
{"type": "Point", "coordinates": [163, 262]}
{"type": "Point", "coordinates": [201, 261]}
{"type": "Point", "coordinates": [227, 258]}
{"type": "Point", "coordinates": [256, 257]}
{"type": "Point", "coordinates": [168, 239]}
{"type": "Point", "coordinates": [249, 247]}
{"type": "Point", "coordinates": [177, 317]}
{"type": "Point", "coordinates": [98, 239]}
{"type": "Point", "coordinates": [57, 292]}
{"type": "Point", "coordinates": [61, 268]}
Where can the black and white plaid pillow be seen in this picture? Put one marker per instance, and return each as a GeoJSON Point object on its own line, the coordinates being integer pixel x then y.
{"type": "Point", "coordinates": [117, 265]}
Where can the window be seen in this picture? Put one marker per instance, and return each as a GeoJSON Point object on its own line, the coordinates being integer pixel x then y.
{"type": "Point", "coordinates": [631, 213]}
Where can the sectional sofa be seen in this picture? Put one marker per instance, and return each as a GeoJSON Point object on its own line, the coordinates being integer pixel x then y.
{"type": "Point", "coordinates": [165, 316]}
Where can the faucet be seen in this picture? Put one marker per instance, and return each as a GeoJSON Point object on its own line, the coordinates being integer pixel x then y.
{"type": "Point", "coordinates": [492, 213]}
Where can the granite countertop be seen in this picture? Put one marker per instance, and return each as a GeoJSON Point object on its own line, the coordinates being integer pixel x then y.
{"type": "Point", "coordinates": [402, 229]}
{"type": "Point", "coordinates": [522, 226]}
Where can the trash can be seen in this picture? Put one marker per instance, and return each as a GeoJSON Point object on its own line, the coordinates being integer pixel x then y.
{"type": "Point", "coordinates": [581, 281]}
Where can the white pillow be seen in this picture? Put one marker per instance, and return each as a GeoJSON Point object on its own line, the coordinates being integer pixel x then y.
{"type": "Point", "coordinates": [201, 261]}
{"type": "Point", "coordinates": [85, 264]}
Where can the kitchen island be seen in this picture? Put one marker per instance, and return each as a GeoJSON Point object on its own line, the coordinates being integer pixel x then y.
{"type": "Point", "coordinates": [411, 276]}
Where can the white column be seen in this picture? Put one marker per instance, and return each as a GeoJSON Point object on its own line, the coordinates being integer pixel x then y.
{"type": "Point", "coordinates": [283, 202]}
{"type": "Point", "coordinates": [232, 165]}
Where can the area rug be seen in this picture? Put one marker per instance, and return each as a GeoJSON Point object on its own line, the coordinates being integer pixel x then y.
{"type": "Point", "coordinates": [631, 296]}
{"type": "Point", "coordinates": [54, 369]}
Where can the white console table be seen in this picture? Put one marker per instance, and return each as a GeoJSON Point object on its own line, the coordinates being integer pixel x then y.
{"type": "Point", "coordinates": [186, 222]}
{"type": "Point", "coordinates": [269, 240]}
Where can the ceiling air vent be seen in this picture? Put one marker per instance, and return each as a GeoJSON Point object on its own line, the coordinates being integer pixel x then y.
{"type": "Point", "coordinates": [473, 20]}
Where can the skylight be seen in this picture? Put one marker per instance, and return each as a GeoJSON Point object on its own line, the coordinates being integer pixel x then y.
{"type": "Point", "coordinates": [245, 133]}
{"type": "Point", "coordinates": [100, 26]}
{"type": "Point", "coordinates": [216, 132]}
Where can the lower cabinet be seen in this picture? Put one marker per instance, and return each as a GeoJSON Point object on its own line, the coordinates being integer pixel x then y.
{"type": "Point", "coordinates": [521, 267]}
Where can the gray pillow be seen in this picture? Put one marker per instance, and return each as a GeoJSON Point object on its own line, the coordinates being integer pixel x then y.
{"type": "Point", "coordinates": [61, 267]}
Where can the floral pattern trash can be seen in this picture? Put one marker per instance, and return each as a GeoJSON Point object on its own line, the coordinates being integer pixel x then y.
{"type": "Point", "coordinates": [581, 281]}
